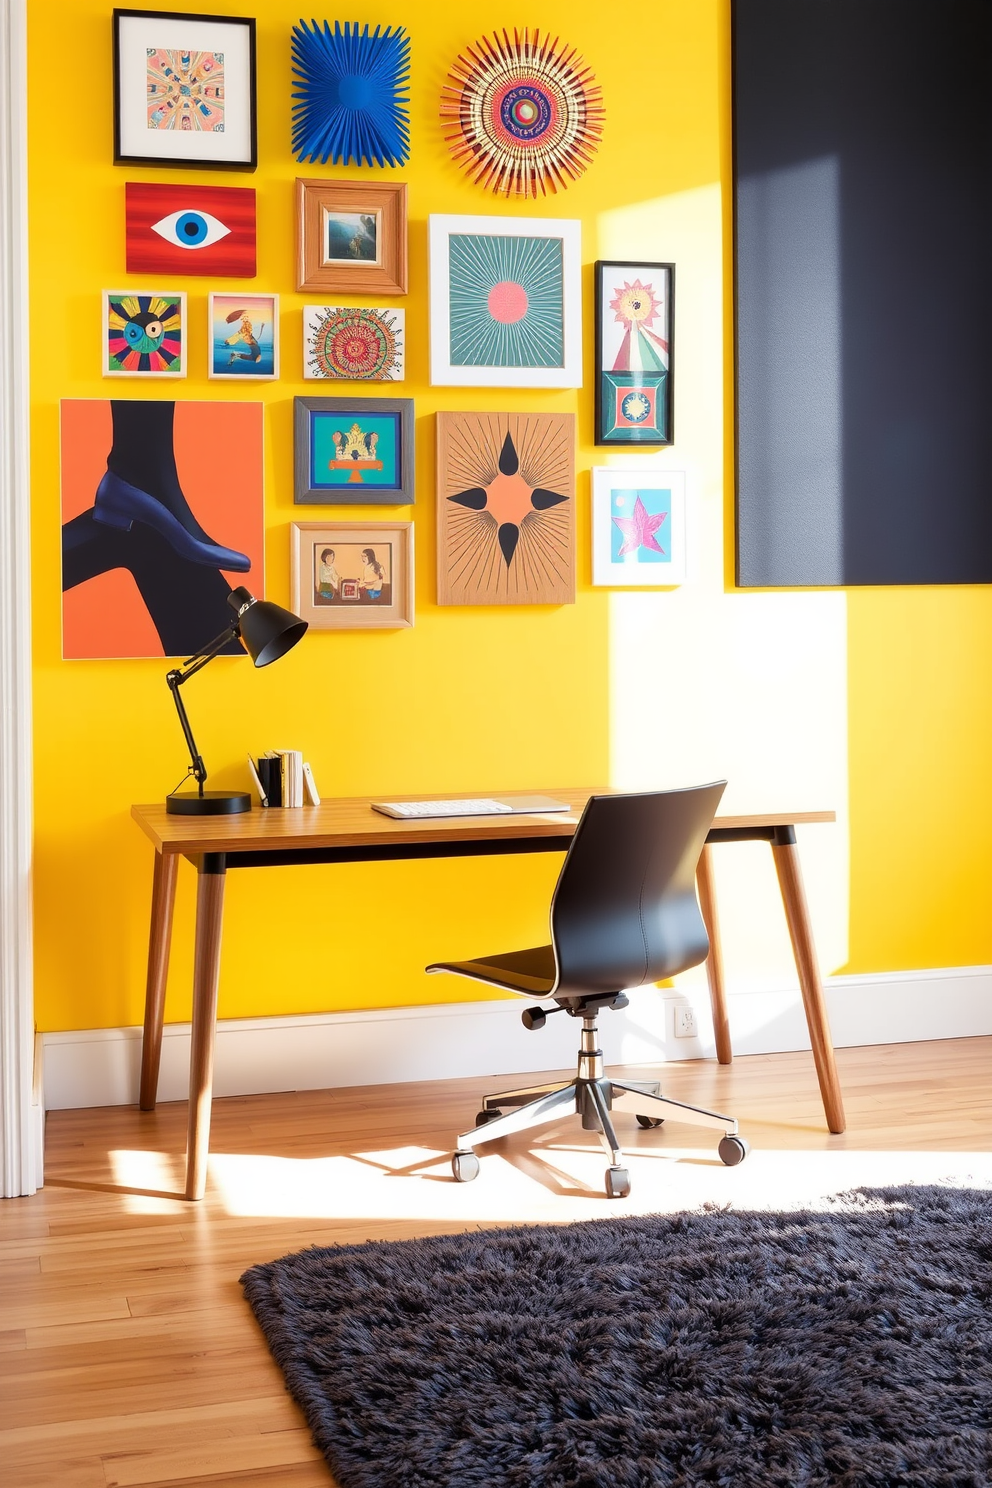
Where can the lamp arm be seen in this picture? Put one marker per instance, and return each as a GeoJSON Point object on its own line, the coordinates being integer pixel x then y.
{"type": "Point", "coordinates": [207, 653]}
{"type": "Point", "coordinates": [175, 680]}
{"type": "Point", "coordinates": [199, 769]}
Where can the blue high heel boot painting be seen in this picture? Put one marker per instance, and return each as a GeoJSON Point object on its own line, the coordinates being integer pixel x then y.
{"type": "Point", "coordinates": [142, 485]}
{"type": "Point", "coordinates": [140, 521]}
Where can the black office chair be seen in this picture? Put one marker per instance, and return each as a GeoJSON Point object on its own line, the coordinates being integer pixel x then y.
{"type": "Point", "coordinates": [624, 914]}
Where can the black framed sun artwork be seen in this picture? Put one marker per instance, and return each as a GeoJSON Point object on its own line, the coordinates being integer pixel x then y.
{"type": "Point", "coordinates": [506, 508]}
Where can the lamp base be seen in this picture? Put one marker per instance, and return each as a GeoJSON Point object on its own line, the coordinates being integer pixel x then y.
{"type": "Point", "coordinates": [211, 803]}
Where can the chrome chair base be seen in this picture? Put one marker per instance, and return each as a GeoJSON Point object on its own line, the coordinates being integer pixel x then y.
{"type": "Point", "coordinates": [590, 1095]}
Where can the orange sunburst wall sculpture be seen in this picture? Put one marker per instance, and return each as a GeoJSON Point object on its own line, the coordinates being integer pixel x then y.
{"type": "Point", "coordinates": [524, 116]}
{"type": "Point", "coordinates": [506, 508]}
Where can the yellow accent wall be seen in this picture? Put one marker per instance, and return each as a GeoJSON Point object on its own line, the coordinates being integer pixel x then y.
{"type": "Point", "coordinates": [469, 698]}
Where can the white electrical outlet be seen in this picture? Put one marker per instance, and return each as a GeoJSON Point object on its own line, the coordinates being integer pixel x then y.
{"type": "Point", "coordinates": [685, 1021]}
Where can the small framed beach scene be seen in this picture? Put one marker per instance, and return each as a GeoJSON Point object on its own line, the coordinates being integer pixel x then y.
{"type": "Point", "coordinates": [353, 575]}
{"type": "Point", "coordinates": [243, 337]}
{"type": "Point", "coordinates": [638, 526]}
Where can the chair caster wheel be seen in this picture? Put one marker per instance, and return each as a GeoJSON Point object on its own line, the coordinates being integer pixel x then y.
{"type": "Point", "coordinates": [617, 1183]}
{"type": "Point", "coordinates": [485, 1116]}
{"type": "Point", "coordinates": [648, 1122]}
{"type": "Point", "coordinates": [465, 1166]}
{"type": "Point", "coordinates": [733, 1150]}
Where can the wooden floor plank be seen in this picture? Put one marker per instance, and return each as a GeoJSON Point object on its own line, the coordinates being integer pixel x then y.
{"type": "Point", "coordinates": [129, 1356]}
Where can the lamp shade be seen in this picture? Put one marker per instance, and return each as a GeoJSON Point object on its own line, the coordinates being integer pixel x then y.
{"type": "Point", "coordinates": [267, 630]}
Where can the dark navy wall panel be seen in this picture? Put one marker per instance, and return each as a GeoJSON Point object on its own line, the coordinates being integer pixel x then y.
{"type": "Point", "coordinates": [863, 268]}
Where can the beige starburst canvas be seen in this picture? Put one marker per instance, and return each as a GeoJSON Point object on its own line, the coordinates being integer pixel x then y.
{"type": "Point", "coordinates": [506, 508]}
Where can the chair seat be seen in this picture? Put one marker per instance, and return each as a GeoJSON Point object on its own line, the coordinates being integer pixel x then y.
{"type": "Point", "coordinates": [532, 973]}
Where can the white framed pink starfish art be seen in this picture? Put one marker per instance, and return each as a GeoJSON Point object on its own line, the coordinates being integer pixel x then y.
{"type": "Point", "coordinates": [638, 526]}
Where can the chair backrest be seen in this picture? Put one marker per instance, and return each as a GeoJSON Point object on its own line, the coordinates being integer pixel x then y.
{"type": "Point", "coordinates": [624, 911]}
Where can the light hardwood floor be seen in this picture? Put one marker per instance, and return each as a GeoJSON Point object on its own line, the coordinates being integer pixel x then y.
{"type": "Point", "coordinates": [128, 1354]}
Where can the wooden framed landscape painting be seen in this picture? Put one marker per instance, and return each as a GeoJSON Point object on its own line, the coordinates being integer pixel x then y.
{"type": "Point", "coordinates": [506, 508]}
{"type": "Point", "coordinates": [351, 236]}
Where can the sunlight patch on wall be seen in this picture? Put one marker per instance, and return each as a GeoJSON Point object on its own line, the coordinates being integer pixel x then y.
{"type": "Point", "coordinates": [707, 684]}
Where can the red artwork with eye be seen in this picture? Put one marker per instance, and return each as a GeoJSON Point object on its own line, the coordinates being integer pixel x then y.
{"type": "Point", "coordinates": [190, 230]}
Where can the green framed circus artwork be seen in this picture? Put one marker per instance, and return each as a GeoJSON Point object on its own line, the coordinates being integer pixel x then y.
{"type": "Point", "coordinates": [506, 307]}
{"type": "Point", "coordinates": [635, 348]}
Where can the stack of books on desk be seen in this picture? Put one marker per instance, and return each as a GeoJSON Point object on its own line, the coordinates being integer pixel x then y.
{"type": "Point", "coordinates": [283, 778]}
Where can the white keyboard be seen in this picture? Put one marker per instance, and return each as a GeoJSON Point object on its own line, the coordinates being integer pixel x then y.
{"type": "Point", "coordinates": [443, 808]}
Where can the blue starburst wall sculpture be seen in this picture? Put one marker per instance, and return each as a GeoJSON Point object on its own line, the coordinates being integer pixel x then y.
{"type": "Point", "coordinates": [350, 98]}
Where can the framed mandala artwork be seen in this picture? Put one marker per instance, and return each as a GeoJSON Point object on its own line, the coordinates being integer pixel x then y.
{"type": "Point", "coordinates": [351, 236]}
{"type": "Point", "coordinates": [352, 344]}
{"type": "Point", "coordinates": [635, 347]}
{"type": "Point", "coordinates": [184, 90]}
{"type": "Point", "coordinates": [353, 451]}
{"type": "Point", "coordinates": [506, 508]}
{"type": "Point", "coordinates": [144, 334]}
{"type": "Point", "coordinates": [506, 307]}
{"type": "Point", "coordinates": [522, 116]}
{"type": "Point", "coordinates": [638, 526]}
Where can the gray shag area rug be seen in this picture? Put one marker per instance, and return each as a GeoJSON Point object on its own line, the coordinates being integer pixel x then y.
{"type": "Point", "coordinates": [849, 1348]}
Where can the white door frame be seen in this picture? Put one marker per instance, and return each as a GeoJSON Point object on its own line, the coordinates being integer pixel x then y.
{"type": "Point", "coordinates": [21, 1116]}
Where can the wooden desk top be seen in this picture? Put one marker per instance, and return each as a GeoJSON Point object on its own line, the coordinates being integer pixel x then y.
{"type": "Point", "coordinates": [351, 822]}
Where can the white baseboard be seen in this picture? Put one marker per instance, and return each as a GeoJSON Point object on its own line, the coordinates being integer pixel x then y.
{"type": "Point", "coordinates": [99, 1067]}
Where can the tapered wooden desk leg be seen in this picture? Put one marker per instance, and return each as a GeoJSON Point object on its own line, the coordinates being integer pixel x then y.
{"type": "Point", "coordinates": [786, 855]}
{"type": "Point", "coordinates": [206, 976]}
{"type": "Point", "coordinates": [159, 942]}
{"type": "Point", "coordinates": [714, 961]}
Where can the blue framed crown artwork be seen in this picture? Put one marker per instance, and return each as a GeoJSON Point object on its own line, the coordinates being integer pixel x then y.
{"type": "Point", "coordinates": [635, 348]}
{"type": "Point", "coordinates": [353, 451]}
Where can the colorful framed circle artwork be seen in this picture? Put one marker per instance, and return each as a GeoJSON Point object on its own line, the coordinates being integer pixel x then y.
{"type": "Point", "coordinates": [351, 99]}
{"type": "Point", "coordinates": [351, 236]}
{"type": "Point", "coordinates": [353, 451]}
{"type": "Point", "coordinates": [184, 90]}
{"type": "Point", "coordinates": [522, 116]}
{"type": "Point", "coordinates": [505, 508]}
{"type": "Point", "coordinates": [352, 344]}
{"type": "Point", "coordinates": [638, 526]}
{"type": "Point", "coordinates": [353, 575]}
{"type": "Point", "coordinates": [635, 351]}
{"type": "Point", "coordinates": [506, 306]}
{"type": "Point", "coordinates": [243, 337]}
{"type": "Point", "coordinates": [190, 229]}
{"type": "Point", "coordinates": [144, 334]}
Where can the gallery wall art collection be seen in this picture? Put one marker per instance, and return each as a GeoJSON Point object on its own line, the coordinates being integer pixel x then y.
{"type": "Point", "coordinates": [522, 115]}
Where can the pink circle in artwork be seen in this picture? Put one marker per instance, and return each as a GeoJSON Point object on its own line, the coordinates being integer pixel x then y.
{"type": "Point", "coordinates": [508, 302]}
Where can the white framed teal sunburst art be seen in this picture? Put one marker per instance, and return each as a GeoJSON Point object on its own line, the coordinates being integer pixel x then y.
{"type": "Point", "coordinates": [506, 306]}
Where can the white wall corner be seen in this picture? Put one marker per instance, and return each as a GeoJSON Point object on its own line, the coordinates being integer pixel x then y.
{"type": "Point", "coordinates": [20, 1148]}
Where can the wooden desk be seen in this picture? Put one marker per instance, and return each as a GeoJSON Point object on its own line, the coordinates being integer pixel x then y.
{"type": "Point", "coordinates": [349, 831]}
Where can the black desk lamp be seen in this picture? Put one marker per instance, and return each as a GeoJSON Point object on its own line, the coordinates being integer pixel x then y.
{"type": "Point", "coordinates": [266, 631]}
